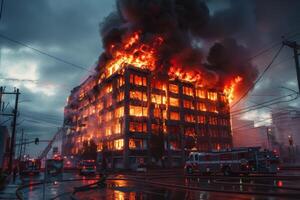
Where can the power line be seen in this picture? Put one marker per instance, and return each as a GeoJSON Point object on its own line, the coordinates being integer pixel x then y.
{"type": "Point", "coordinates": [45, 53]}
{"type": "Point", "coordinates": [262, 106]}
{"type": "Point", "coordinates": [259, 78]}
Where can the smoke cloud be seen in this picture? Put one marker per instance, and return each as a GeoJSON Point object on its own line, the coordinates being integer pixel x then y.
{"type": "Point", "coordinates": [181, 23]}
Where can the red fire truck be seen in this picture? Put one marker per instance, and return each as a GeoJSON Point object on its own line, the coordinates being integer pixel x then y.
{"type": "Point", "coordinates": [30, 167]}
{"type": "Point", "coordinates": [233, 161]}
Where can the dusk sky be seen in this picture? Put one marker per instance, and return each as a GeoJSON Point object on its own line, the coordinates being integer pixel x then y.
{"type": "Point", "coordinates": [69, 30]}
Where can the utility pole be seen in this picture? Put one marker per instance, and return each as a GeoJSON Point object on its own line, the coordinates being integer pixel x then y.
{"type": "Point", "coordinates": [295, 46]}
{"type": "Point", "coordinates": [13, 134]}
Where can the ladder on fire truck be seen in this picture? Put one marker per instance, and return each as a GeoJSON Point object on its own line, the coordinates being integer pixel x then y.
{"type": "Point", "coordinates": [57, 135]}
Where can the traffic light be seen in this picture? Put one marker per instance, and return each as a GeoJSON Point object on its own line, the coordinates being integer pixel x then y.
{"type": "Point", "coordinates": [36, 141]}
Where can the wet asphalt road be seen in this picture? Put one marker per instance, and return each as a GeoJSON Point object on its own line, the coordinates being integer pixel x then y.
{"type": "Point", "coordinates": [170, 185]}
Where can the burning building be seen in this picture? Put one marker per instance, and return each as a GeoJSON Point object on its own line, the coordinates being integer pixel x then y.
{"type": "Point", "coordinates": [152, 97]}
{"type": "Point", "coordinates": [135, 116]}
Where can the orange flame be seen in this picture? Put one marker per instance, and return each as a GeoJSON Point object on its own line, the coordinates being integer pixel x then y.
{"type": "Point", "coordinates": [134, 52]}
{"type": "Point", "coordinates": [229, 90]}
{"type": "Point", "coordinates": [189, 76]}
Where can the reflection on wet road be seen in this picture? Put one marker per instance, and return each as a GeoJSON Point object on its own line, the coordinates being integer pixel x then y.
{"type": "Point", "coordinates": [170, 186]}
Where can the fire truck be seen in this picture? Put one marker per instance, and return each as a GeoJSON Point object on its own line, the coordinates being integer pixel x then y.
{"type": "Point", "coordinates": [30, 167]}
{"type": "Point", "coordinates": [243, 160]}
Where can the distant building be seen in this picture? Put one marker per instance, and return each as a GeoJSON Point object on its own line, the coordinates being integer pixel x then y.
{"type": "Point", "coordinates": [4, 147]}
{"type": "Point", "coordinates": [245, 134]}
{"type": "Point", "coordinates": [286, 129]}
{"type": "Point", "coordinates": [287, 123]}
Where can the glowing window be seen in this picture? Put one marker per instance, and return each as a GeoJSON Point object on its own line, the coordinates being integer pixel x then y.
{"type": "Point", "coordinates": [189, 131]}
{"type": "Point", "coordinates": [174, 116]}
{"type": "Point", "coordinates": [121, 81]}
{"type": "Point", "coordinates": [188, 104]}
{"type": "Point", "coordinates": [189, 118]}
{"type": "Point", "coordinates": [108, 88]}
{"type": "Point", "coordinates": [174, 102]}
{"type": "Point", "coordinates": [200, 93]}
{"type": "Point", "coordinates": [201, 119]}
{"type": "Point", "coordinates": [188, 91]}
{"type": "Point", "coordinates": [120, 96]}
{"type": "Point", "coordinates": [138, 80]}
{"type": "Point", "coordinates": [118, 128]}
{"type": "Point", "coordinates": [158, 99]}
{"type": "Point", "coordinates": [137, 127]}
{"type": "Point", "coordinates": [201, 106]}
{"type": "Point", "coordinates": [138, 111]}
{"type": "Point", "coordinates": [159, 113]}
{"type": "Point", "coordinates": [107, 131]}
{"type": "Point", "coordinates": [138, 95]}
{"type": "Point", "coordinates": [213, 108]}
{"type": "Point", "coordinates": [119, 112]}
{"type": "Point", "coordinates": [136, 144]}
{"type": "Point", "coordinates": [119, 144]}
{"type": "Point", "coordinates": [212, 96]}
{"type": "Point", "coordinates": [173, 88]}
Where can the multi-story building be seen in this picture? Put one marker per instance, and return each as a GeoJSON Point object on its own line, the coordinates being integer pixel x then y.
{"type": "Point", "coordinates": [134, 117]}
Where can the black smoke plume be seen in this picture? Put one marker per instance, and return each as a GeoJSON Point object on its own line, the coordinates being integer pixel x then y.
{"type": "Point", "coordinates": [181, 23]}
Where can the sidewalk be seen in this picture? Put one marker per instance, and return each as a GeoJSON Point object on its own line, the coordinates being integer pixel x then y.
{"type": "Point", "coordinates": [9, 192]}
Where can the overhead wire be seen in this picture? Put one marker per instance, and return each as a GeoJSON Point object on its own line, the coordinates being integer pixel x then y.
{"type": "Point", "coordinates": [259, 78]}
{"type": "Point", "coordinates": [45, 53]}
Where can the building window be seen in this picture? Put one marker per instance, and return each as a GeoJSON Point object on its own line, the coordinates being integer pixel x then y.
{"type": "Point", "coordinates": [189, 118]}
{"type": "Point", "coordinates": [212, 108]}
{"type": "Point", "coordinates": [212, 96]}
{"type": "Point", "coordinates": [110, 145]}
{"type": "Point", "coordinates": [137, 144]}
{"type": "Point", "coordinates": [108, 116]}
{"type": "Point", "coordinates": [137, 127]}
{"type": "Point", "coordinates": [188, 91]}
{"type": "Point", "coordinates": [158, 99]}
{"type": "Point", "coordinates": [213, 120]}
{"type": "Point", "coordinates": [174, 116]}
{"type": "Point", "coordinates": [138, 95]}
{"type": "Point", "coordinates": [188, 104]}
{"type": "Point", "coordinates": [189, 131]}
{"type": "Point", "coordinates": [201, 106]}
{"type": "Point", "coordinates": [107, 131]}
{"type": "Point", "coordinates": [119, 112]}
{"type": "Point", "coordinates": [120, 96]}
{"type": "Point", "coordinates": [158, 85]}
{"type": "Point", "coordinates": [138, 111]}
{"type": "Point", "coordinates": [119, 144]}
{"type": "Point", "coordinates": [201, 93]}
{"type": "Point", "coordinates": [118, 128]}
{"type": "Point", "coordinates": [201, 119]}
{"type": "Point", "coordinates": [121, 81]}
{"type": "Point", "coordinates": [173, 88]}
{"type": "Point", "coordinates": [108, 88]}
{"type": "Point", "coordinates": [138, 80]}
{"type": "Point", "coordinates": [174, 102]}
{"type": "Point", "coordinates": [159, 113]}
